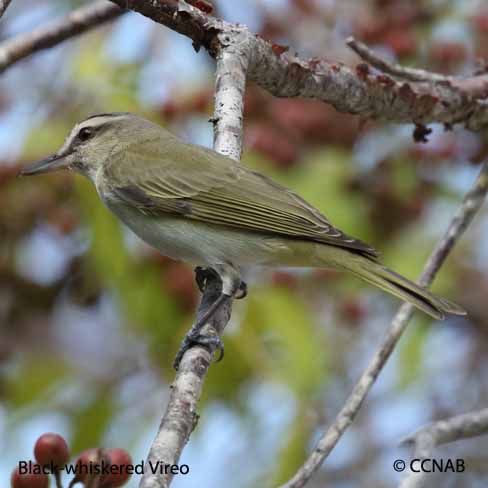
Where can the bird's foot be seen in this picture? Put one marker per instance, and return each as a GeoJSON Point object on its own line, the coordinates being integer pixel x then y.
{"type": "Point", "coordinates": [196, 338]}
{"type": "Point", "coordinates": [202, 275]}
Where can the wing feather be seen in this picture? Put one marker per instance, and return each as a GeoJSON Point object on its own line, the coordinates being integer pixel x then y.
{"type": "Point", "coordinates": [219, 191]}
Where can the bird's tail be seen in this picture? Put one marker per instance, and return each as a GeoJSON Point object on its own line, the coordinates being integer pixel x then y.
{"type": "Point", "coordinates": [391, 282]}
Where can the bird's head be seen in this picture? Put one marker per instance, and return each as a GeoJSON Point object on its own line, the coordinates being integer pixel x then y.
{"type": "Point", "coordinates": [93, 140]}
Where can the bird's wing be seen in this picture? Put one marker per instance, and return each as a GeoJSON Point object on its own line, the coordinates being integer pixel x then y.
{"type": "Point", "coordinates": [219, 191]}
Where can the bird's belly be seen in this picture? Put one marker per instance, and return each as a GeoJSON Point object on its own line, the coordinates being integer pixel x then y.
{"type": "Point", "coordinates": [198, 242]}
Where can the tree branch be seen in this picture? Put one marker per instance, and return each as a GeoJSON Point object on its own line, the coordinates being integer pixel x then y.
{"type": "Point", "coordinates": [429, 437]}
{"type": "Point", "coordinates": [357, 91]}
{"type": "Point", "coordinates": [230, 85]}
{"type": "Point", "coordinates": [412, 74]}
{"type": "Point", "coordinates": [473, 86]}
{"type": "Point", "coordinates": [77, 22]}
{"type": "Point", "coordinates": [471, 204]}
{"type": "Point", "coordinates": [180, 417]}
{"type": "Point", "coordinates": [425, 98]}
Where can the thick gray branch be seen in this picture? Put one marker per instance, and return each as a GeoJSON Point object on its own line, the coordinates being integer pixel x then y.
{"type": "Point", "coordinates": [358, 91]}
{"type": "Point", "coordinates": [77, 22]}
{"type": "Point", "coordinates": [471, 204]}
{"type": "Point", "coordinates": [180, 417]}
{"type": "Point", "coordinates": [429, 437]}
{"type": "Point", "coordinates": [230, 84]}
{"type": "Point", "coordinates": [421, 100]}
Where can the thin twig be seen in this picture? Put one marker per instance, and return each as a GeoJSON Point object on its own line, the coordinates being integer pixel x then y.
{"type": "Point", "coordinates": [76, 22]}
{"type": "Point", "coordinates": [4, 6]}
{"type": "Point", "coordinates": [473, 86]}
{"type": "Point", "coordinates": [471, 204]}
{"type": "Point", "coordinates": [412, 74]}
{"type": "Point", "coordinates": [452, 429]}
{"type": "Point", "coordinates": [426, 439]}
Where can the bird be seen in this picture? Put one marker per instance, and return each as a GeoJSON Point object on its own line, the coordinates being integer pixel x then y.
{"type": "Point", "coordinates": [194, 204]}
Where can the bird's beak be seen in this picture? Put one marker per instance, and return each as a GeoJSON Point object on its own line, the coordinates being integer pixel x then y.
{"type": "Point", "coordinates": [52, 163]}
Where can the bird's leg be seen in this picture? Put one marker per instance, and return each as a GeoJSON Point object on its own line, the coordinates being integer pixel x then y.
{"type": "Point", "coordinates": [231, 287]}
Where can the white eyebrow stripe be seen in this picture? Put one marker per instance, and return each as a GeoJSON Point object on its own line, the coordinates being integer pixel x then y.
{"type": "Point", "coordinates": [98, 120]}
{"type": "Point", "coordinates": [95, 121]}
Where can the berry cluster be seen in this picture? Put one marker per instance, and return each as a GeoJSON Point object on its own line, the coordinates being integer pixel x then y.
{"type": "Point", "coordinates": [91, 468]}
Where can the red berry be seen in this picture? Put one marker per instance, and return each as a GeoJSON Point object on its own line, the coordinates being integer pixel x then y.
{"type": "Point", "coordinates": [121, 459]}
{"type": "Point", "coordinates": [51, 448]}
{"type": "Point", "coordinates": [87, 462]}
{"type": "Point", "coordinates": [29, 480]}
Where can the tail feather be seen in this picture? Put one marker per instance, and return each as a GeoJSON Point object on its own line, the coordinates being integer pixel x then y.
{"type": "Point", "coordinates": [406, 290]}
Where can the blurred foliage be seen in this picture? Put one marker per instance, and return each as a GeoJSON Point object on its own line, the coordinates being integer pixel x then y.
{"type": "Point", "coordinates": [90, 317]}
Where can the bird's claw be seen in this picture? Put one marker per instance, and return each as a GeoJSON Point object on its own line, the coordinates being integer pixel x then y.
{"type": "Point", "coordinates": [198, 339]}
{"type": "Point", "coordinates": [195, 337]}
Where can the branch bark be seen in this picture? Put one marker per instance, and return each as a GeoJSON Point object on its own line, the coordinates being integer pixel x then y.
{"type": "Point", "coordinates": [419, 97]}
{"type": "Point", "coordinates": [358, 91]}
{"type": "Point", "coordinates": [429, 437]}
{"type": "Point", "coordinates": [180, 417]}
{"type": "Point", "coordinates": [77, 22]}
{"type": "Point", "coordinates": [471, 204]}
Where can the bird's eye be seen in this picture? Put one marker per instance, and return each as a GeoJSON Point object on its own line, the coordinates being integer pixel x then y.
{"type": "Point", "coordinates": [85, 134]}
